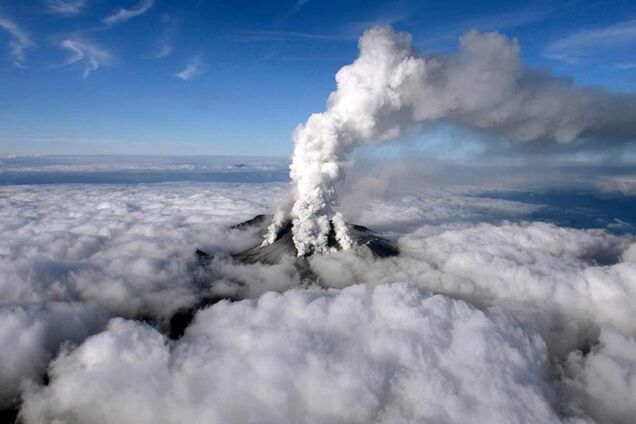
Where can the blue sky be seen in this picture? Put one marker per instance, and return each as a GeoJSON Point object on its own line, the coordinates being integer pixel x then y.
{"type": "Point", "coordinates": [235, 77]}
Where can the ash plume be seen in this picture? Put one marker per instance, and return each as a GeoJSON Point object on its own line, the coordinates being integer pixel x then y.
{"type": "Point", "coordinates": [391, 88]}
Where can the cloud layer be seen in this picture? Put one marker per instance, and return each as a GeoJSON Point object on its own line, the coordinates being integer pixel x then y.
{"type": "Point", "coordinates": [516, 305]}
{"type": "Point", "coordinates": [72, 256]}
{"type": "Point", "coordinates": [31, 336]}
{"type": "Point", "coordinates": [605, 380]}
{"type": "Point", "coordinates": [358, 355]}
{"type": "Point", "coordinates": [578, 277]}
{"type": "Point", "coordinates": [127, 249]}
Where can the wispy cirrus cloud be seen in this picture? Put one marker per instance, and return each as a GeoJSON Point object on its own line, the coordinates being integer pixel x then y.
{"type": "Point", "coordinates": [164, 49]}
{"type": "Point", "coordinates": [65, 7]}
{"type": "Point", "coordinates": [344, 32]}
{"type": "Point", "coordinates": [625, 66]}
{"type": "Point", "coordinates": [297, 6]}
{"type": "Point", "coordinates": [193, 69]}
{"type": "Point", "coordinates": [122, 15]}
{"type": "Point", "coordinates": [272, 35]}
{"type": "Point", "coordinates": [20, 41]}
{"type": "Point", "coordinates": [576, 46]}
{"type": "Point", "coordinates": [90, 55]}
{"type": "Point", "coordinates": [165, 44]}
{"type": "Point", "coordinates": [496, 22]}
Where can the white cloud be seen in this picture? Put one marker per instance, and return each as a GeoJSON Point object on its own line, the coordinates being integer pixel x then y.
{"type": "Point", "coordinates": [66, 7]}
{"type": "Point", "coordinates": [391, 199]}
{"type": "Point", "coordinates": [625, 184]}
{"type": "Point", "coordinates": [297, 6]}
{"type": "Point", "coordinates": [502, 21]}
{"type": "Point", "coordinates": [164, 49]}
{"type": "Point", "coordinates": [565, 283]}
{"type": "Point", "coordinates": [20, 41]}
{"type": "Point", "coordinates": [605, 379]}
{"type": "Point", "coordinates": [122, 15]}
{"type": "Point", "coordinates": [625, 66]}
{"type": "Point", "coordinates": [71, 255]}
{"type": "Point", "coordinates": [261, 35]}
{"type": "Point", "coordinates": [31, 335]}
{"type": "Point", "coordinates": [129, 248]}
{"type": "Point", "coordinates": [165, 45]}
{"type": "Point", "coordinates": [89, 54]}
{"type": "Point", "coordinates": [387, 354]}
{"type": "Point", "coordinates": [230, 166]}
{"type": "Point", "coordinates": [96, 251]}
{"type": "Point", "coordinates": [193, 69]}
{"type": "Point", "coordinates": [575, 46]}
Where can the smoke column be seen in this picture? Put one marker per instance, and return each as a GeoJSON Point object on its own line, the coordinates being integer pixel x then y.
{"type": "Point", "coordinates": [391, 88]}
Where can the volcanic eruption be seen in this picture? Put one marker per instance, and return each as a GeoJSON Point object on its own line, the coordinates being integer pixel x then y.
{"type": "Point", "coordinates": [391, 88]}
{"type": "Point", "coordinates": [359, 238]}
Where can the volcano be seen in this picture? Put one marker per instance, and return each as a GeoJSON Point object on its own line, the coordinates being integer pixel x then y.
{"type": "Point", "coordinates": [365, 242]}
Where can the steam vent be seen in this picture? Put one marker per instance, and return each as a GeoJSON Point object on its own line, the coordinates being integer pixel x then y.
{"type": "Point", "coordinates": [366, 243]}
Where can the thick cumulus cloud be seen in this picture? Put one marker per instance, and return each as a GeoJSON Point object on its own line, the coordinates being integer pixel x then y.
{"type": "Point", "coordinates": [359, 355]}
{"type": "Point", "coordinates": [390, 88]}
{"type": "Point", "coordinates": [565, 283]}
{"type": "Point", "coordinates": [31, 335]}
{"type": "Point", "coordinates": [72, 256]}
{"type": "Point", "coordinates": [605, 380]}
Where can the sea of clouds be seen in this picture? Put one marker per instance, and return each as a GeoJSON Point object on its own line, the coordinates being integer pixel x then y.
{"type": "Point", "coordinates": [486, 316]}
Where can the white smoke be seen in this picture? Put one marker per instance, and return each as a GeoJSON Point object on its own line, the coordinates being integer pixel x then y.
{"type": "Point", "coordinates": [391, 88]}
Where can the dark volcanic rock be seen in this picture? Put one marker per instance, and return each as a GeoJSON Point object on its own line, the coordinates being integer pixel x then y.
{"type": "Point", "coordinates": [258, 220]}
{"type": "Point", "coordinates": [182, 319]}
{"type": "Point", "coordinates": [366, 243]}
